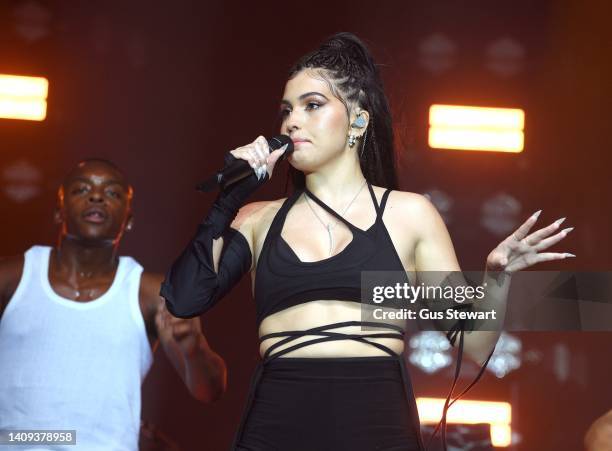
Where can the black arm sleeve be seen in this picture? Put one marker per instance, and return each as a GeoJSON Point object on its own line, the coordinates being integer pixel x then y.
{"type": "Point", "coordinates": [192, 286]}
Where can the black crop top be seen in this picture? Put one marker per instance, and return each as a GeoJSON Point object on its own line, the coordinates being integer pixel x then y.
{"type": "Point", "coordinates": [282, 280]}
{"type": "Point", "coordinates": [192, 286]}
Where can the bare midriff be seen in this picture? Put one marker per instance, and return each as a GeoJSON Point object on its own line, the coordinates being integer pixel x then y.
{"type": "Point", "coordinates": [321, 313]}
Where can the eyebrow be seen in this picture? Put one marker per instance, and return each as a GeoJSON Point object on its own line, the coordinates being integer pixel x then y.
{"type": "Point", "coordinates": [109, 182]}
{"type": "Point", "coordinates": [303, 96]}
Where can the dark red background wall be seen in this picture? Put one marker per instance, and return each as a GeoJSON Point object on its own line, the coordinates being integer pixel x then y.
{"type": "Point", "coordinates": [165, 88]}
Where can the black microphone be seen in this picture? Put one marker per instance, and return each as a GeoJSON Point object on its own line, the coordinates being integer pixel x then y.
{"type": "Point", "coordinates": [239, 169]}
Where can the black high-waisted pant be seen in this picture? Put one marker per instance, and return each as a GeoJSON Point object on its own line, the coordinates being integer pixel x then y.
{"type": "Point", "coordinates": [321, 404]}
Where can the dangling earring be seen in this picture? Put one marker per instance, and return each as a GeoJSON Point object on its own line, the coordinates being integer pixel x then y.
{"type": "Point", "coordinates": [352, 139]}
{"type": "Point", "coordinates": [363, 143]}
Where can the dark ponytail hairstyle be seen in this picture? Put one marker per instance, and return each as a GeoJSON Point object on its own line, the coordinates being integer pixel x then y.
{"type": "Point", "coordinates": [346, 65]}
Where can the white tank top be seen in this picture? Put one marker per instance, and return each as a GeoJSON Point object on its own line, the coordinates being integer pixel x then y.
{"type": "Point", "coordinates": [74, 365]}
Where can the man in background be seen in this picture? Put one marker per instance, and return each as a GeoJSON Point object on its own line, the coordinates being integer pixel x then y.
{"type": "Point", "coordinates": [79, 324]}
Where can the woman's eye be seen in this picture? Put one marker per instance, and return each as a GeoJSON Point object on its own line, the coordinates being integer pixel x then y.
{"type": "Point", "coordinates": [312, 106]}
{"type": "Point", "coordinates": [114, 194]}
{"type": "Point", "coordinates": [284, 112]}
{"type": "Point", "coordinates": [80, 190]}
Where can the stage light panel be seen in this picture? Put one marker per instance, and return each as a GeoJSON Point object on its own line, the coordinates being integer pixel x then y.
{"type": "Point", "coordinates": [495, 413]}
{"type": "Point", "coordinates": [23, 98]}
{"type": "Point", "coordinates": [476, 128]}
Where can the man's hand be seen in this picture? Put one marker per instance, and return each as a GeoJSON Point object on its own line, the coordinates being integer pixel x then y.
{"type": "Point", "coordinates": [183, 335]}
{"type": "Point", "coordinates": [203, 371]}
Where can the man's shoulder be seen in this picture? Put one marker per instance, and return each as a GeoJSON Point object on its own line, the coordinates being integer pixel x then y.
{"type": "Point", "coordinates": [150, 284]}
{"type": "Point", "coordinates": [150, 300]}
{"type": "Point", "coordinates": [151, 281]}
{"type": "Point", "coordinates": [11, 265]}
{"type": "Point", "coordinates": [11, 269]}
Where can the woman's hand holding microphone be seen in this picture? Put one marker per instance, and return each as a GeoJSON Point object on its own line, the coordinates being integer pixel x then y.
{"type": "Point", "coordinates": [259, 157]}
{"type": "Point", "coordinates": [230, 199]}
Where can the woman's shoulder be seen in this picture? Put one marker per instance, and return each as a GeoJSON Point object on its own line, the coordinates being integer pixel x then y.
{"type": "Point", "coordinates": [407, 204]}
{"type": "Point", "coordinates": [257, 212]}
{"type": "Point", "coordinates": [402, 199]}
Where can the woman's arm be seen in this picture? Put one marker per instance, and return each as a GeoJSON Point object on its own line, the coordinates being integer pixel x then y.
{"type": "Point", "coordinates": [435, 258]}
{"type": "Point", "coordinates": [219, 255]}
{"type": "Point", "coordinates": [434, 252]}
{"type": "Point", "coordinates": [209, 266]}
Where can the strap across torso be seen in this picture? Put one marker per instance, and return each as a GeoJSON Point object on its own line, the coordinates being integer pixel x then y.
{"type": "Point", "coordinates": [325, 334]}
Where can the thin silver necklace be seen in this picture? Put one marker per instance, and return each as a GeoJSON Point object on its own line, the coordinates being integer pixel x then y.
{"type": "Point", "coordinates": [330, 226]}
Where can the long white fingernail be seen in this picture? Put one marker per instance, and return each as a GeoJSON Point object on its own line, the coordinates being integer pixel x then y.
{"type": "Point", "coordinates": [567, 254]}
{"type": "Point", "coordinates": [568, 230]}
{"type": "Point", "coordinates": [559, 221]}
{"type": "Point", "coordinates": [536, 214]}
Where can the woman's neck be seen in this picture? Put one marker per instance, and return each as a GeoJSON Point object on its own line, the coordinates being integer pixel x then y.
{"type": "Point", "coordinates": [334, 185]}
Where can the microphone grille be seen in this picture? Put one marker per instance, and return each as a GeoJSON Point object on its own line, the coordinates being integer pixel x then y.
{"type": "Point", "coordinates": [279, 141]}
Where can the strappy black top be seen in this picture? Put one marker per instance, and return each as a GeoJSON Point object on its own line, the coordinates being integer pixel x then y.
{"type": "Point", "coordinates": [192, 286]}
{"type": "Point", "coordinates": [282, 280]}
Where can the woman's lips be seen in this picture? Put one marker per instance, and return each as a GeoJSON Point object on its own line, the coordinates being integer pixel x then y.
{"type": "Point", "coordinates": [299, 142]}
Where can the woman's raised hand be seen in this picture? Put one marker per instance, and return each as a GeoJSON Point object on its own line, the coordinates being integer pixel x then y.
{"type": "Point", "coordinates": [521, 249]}
{"type": "Point", "coordinates": [258, 155]}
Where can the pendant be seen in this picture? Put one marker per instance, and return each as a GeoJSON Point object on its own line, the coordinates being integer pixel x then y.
{"type": "Point", "coordinates": [331, 239]}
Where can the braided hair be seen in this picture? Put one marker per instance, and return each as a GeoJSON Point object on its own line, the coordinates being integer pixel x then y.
{"type": "Point", "coordinates": [345, 63]}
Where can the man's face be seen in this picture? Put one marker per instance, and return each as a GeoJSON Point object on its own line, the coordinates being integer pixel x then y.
{"type": "Point", "coordinates": [94, 204]}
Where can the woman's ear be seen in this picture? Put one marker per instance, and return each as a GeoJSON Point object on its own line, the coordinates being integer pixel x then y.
{"type": "Point", "coordinates": [360, 121]}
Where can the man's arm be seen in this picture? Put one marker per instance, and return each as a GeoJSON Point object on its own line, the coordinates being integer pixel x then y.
{"type": "Point", "coordinates": [202, 370]}
{"type": "Point", "coordinates": [10, 275]}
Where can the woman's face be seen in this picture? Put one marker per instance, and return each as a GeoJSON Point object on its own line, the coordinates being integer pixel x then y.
{"type": "Point", "coordinates": [315, 120]}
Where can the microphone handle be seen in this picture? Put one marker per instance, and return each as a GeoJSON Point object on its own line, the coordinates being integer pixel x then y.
{"type": "Point", "coordinates": [236, 171]}
{"type": "Point", "coordinates": [240, 169]}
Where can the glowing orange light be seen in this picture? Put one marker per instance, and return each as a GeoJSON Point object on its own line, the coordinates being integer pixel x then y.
{"type": "Point", "coordinates": [23, 97]}
{"type": "Point", "coordinates": [476, 128]}
{"type": "Point", "coordinates": [497, 414]}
